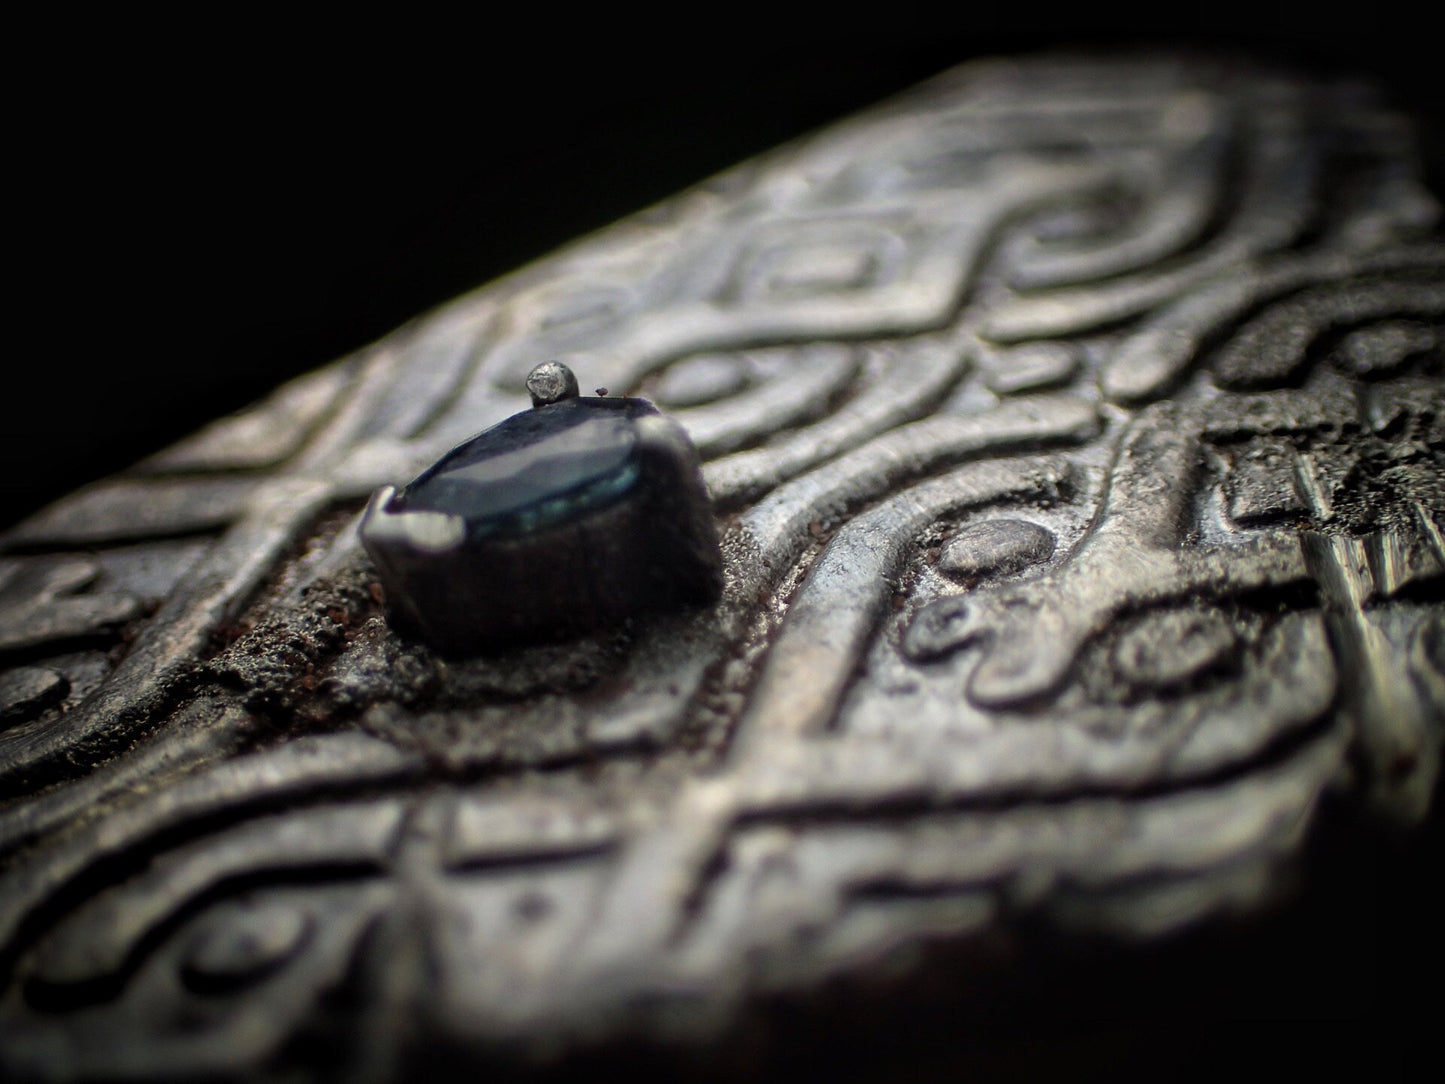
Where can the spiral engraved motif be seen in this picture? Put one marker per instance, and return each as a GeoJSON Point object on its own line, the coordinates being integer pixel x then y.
{"type": "Point", "coordinates": [1078, 430]}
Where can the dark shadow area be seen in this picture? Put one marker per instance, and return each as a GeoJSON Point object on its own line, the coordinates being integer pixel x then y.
{"type": "Point", "coordinates": [200, 224]}
{"type": "Point", "coordinates": [1332, 981]}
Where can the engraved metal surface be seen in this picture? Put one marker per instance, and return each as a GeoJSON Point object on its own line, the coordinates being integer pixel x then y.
{"type": "Point", "coordinates": [1077, 433]}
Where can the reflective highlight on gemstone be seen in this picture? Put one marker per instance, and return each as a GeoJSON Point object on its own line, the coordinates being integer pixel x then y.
{"type": "Point", "coordinates": [522, 476]}
{"type": "Point", "coordinates": [571, 517]}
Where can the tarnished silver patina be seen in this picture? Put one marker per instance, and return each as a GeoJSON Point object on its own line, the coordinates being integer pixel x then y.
{"type": "Point", "coordinates": [1076, 436]}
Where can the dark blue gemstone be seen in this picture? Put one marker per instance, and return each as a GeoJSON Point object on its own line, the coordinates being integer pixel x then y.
{"type": "Point", "coordinates": [537, 469]}
{"type": "Point", "coordinates": [575, 516]}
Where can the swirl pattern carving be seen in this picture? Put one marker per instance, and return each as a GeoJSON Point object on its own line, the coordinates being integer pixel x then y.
{"type": "Point", "coordinates": [1078, 435]}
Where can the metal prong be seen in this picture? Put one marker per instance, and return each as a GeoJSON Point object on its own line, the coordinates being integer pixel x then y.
{"type": "Point", "coordinates": [551, 382]}
{"type": "Point", "coordinates": [430, 532]}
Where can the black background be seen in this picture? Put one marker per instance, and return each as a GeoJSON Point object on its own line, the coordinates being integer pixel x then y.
{"type": "Point", "coordinates": [203, 211]}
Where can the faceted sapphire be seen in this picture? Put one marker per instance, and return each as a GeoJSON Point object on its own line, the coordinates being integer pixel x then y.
{"type": "Point", "coordinates": [577, 515]}
{"type": "Point", "coordinates": [537, 469]}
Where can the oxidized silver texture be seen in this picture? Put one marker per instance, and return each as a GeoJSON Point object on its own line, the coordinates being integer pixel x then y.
{"type": "Point", "coordinates": [1076, 430]}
